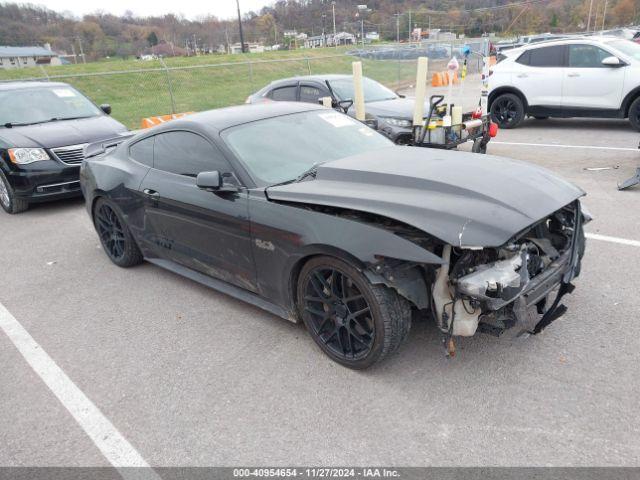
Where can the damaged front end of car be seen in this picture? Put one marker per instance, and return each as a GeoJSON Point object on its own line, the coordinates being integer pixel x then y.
{"type": "Point", "coordinates": [518, 285]}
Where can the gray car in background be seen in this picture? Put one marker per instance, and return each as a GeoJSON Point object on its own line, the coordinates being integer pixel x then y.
{"type": "Point", "coordinates": [390, 113]}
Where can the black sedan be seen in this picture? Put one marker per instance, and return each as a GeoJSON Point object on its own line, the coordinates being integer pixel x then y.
{"type": "Point", "coordinates": [44, 127]}
{"type": "Point", "coordinates": [392, 114]}
{"type": "Point", "coordinates": [312, 215]}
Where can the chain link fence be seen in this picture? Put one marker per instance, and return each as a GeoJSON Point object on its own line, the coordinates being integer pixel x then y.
{"type": "Point", "coordinates": [157, 88]}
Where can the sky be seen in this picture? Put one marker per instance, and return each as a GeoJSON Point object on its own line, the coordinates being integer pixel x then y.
{"type": "Point", "coordinates": [191, 9]}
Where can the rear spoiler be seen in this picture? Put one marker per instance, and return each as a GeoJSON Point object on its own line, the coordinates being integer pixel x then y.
{"type": "Point", "coordinates": [98, 148]}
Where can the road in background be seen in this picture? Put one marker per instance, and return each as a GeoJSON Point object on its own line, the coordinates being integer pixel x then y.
{"type": "Point", "coordinates": [192, 377]}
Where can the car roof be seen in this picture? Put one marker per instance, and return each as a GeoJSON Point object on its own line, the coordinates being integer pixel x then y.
{"type": "Point", "coordinates": [223, 118]}
{"type": "Point", "coordinates": [599, 39]}
{"type": "Point", "coordinates": [5, 86]}
{"type": "Point", "coordinates": [319, 77]}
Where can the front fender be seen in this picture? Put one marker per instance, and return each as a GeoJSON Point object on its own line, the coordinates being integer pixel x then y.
{"type": "Point", "coordinates": [283, 236]}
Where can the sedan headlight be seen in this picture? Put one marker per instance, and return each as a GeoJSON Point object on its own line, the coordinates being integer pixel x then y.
{"type": "Point", "coordinates": [22, 156]}
{"type": "Point", "coordinates": [397, 122]}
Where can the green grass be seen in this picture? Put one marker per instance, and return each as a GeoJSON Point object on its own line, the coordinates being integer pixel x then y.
{"type": "Point", "coordinates": [134, 95]}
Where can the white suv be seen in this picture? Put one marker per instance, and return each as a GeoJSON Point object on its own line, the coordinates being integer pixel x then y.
{"type": "Point", "coordinates": [578, 77]}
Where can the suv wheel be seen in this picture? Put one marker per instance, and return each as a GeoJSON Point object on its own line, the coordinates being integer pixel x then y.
{"type": "Point", "coordinates": [507, 110]}
{"type": "Point", "coordinates": [353, 321]}
{"type": "Point", "coordinates": [634, 114]}
{"type": "Point", "coordinates": [8, 200]}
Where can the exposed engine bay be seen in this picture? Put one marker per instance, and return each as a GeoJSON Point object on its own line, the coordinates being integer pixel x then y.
{"type": "Point", "coordinates": [516, 284]}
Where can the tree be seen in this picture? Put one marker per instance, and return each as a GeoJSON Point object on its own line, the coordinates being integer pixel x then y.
{"type": "Point", "coordinates": [625, 12]}
{"type": "Point", "coordinates": [152, 39]}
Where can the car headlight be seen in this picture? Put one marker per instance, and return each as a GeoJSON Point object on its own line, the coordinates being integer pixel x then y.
{"type": "Point", "coordinates": [397, 122]}
{"type": "Point", "coordinates": [22, 156]}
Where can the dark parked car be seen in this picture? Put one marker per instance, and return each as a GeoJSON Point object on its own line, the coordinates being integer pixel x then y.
{"type": "Point", "coordinates": [312, 215]}
{"type": "Point", "coordinates": [44, 127]}
{"type": "Point", "coordinates": [393, 113]}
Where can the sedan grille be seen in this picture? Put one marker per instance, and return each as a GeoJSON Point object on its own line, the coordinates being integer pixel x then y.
{"type": "Point", "coordinates": [72, 155]}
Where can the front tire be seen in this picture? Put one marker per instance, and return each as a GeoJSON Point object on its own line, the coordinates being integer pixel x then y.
{"type": "Point", "coordinates": [8, 200]}
{"type": "Point", "coordinates": [634, 114]}
{"type": "Point", "coordinates": [507, 110]}
{"type": "Point", "coordinates": [354, 322]}
{"type": "Point", "coordinates": [115, 237]}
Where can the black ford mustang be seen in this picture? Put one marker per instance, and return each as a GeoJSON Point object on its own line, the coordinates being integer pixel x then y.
{"type": "Point", "coordinates": [311, 215]}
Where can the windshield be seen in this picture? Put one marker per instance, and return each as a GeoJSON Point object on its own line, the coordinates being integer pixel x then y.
{"type": "Point", "coordinates": [629, 48]}
{"type": "Point", "coordinates": [373, 91]}
{"type": "Point", "coordinates": [279, 149]}
{"type": "Point", "coordinates": [35, 105]}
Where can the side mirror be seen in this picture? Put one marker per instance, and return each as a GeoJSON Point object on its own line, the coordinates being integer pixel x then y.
{"type": "Point", "coordinates": [106, 108]}
{"type": "Point", "coordinates": [400, 95]}
{"type": "Point", "coordinates": [213, 182]}
{"type": "Point", "coordinates": [345, 105]}
{"type": "Point", "coordinates": [612, 62]}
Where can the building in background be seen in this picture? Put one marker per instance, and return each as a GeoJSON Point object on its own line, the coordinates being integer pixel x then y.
{"type": "Point", "coordinates": [24, 57]}
{"type": "Point", "coordinates": [248, 47]}
{"type": "Point", "coordinates": [329, 40]}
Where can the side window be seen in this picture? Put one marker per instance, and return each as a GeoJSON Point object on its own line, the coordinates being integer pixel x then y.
{"type": "Point", "coordinates": [547, 56]}
{"type": "Point", "coordinates": [587, 56]}
{"type": "Point", "coordinates": [284, 94]}
{"type": "Point", "coordinates": [186, 153]}
{"type": "Point", "coordinates": [142, 151]}
{"type": "Point", "coordinates": [524, 58]}
{"type": "Point", "coordinates": [312, 93]}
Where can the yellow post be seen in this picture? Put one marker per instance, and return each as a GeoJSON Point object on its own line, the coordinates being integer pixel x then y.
{"type": "Point", "coordinates": [421, 91]}
{"type": "Point", "coordinates": [358, 93]}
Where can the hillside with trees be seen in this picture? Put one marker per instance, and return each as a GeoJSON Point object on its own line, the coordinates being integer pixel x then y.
{"type": "Point", "coordinates": [103, 35]}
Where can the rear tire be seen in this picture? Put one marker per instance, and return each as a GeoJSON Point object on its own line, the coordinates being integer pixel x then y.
{"type": "Point", "coordinates": [507, 110]}
{"type": "Point", "coordinates": [353, 321]}
{"type": "Point", "coordinates": [115, 237]}
{"type": "Point", "coordinates": [8, 200]}
{"type": "Point", "coordinates": [634, 114]}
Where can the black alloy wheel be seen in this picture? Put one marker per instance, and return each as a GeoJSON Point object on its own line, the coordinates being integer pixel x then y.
{"type": "Point", "coordinates": [115, 237]}
{"type": "Point", "coordinates": [339, 314]}
{"type": "Point", "coordinates": [352, 321]}
{"type": "Point", "coordinates": [507, 110]}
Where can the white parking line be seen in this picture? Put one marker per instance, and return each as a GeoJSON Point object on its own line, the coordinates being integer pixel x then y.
{"type": "Point", "coordinates": [606, 238]}
{"type": "Point", "coordinates": [116, 449]}
{"type": "Point", "coordinates": [589, 147]}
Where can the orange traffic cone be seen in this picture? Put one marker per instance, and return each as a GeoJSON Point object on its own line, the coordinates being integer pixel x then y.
{"type": "Point", "coordinates": [436, 80]}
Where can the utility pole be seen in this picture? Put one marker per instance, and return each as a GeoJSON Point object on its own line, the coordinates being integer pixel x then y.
{"type": "Point", "coordinates": [604, 13]}
{"type": "Point", "coordinates": [324, 37]}
{"type": "Point", "coordinates": [84, 60]}
{"type": "Point", "coordinates": [75, 56]}
{"type": "Point", "coordinates": [410, 26]}
{"type": "Point", "coordinates": [397, 15]}
{"type": "Point", "coordinates": [589, 19]}
{"type": "Point", "coordinates": [333, 11]}
{"type": "Point", "coordinates": [240, 27]}
{"type": "Point", "coordinates": [362, 31]}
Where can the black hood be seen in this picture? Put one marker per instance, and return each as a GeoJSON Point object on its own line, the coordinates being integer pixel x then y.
{"type": "Point", "coordinates": [61, 133]}
{"type": "Point", "coordinates": [464, 199]}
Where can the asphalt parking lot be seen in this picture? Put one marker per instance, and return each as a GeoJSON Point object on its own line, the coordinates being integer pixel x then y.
{"type": "Point", "coordinates": [191, 377]}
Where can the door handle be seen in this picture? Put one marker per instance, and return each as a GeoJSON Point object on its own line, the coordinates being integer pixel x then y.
{"type": "Point", "coordinates": [573, 75]}
{"type": "Point", "coordinates": [151, 193]}
{"type": "Point", "coordinates": [522, 75]}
